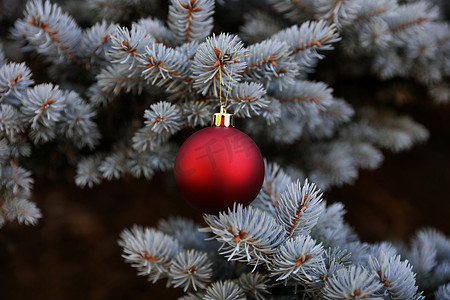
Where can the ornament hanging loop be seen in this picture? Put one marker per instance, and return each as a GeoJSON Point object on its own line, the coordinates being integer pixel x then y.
{"type": "Point", "coordinates": [223, 119]}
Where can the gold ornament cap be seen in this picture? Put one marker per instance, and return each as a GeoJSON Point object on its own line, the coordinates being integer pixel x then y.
{"type": "Point", "coordinates": [223, 119]}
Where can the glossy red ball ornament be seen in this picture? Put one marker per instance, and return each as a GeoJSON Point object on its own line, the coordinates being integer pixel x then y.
{"type": "Point", "coordinates": [218, 166]}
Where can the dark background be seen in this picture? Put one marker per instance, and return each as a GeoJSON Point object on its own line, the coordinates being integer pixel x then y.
{"type": "Point", "coordinates": [73, 253]}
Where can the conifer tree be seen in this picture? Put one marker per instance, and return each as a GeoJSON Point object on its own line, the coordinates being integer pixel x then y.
{"type": "Point", "coordinates": [163, 68]}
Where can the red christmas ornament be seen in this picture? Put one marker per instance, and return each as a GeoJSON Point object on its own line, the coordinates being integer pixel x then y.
{"type": "Point", "coordinates": [218, 166]}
